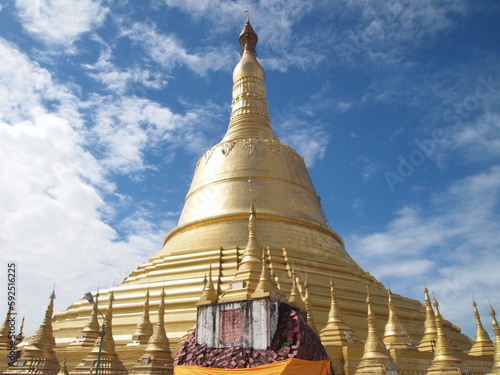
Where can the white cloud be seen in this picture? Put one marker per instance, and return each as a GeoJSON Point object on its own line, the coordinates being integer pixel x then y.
{"type": "Point", "coordinates": [55, 194]}
{"type": "Point", "coordinates": [168, 51]}
{"type": "Point", "coordinates": [387, 31]}
{"type": "Point", "coordinates": [451, 247]}
{"type": "Point", "coordinates": [125, 128]}
{"type": "Point", "coordinates": [60, 22]}
{"type": "Point", "coordinates": [474, 141]}
{"type": "Point", "coordinates": [25, 86]}
{"type": "Point", "coordinates": [120, 80]}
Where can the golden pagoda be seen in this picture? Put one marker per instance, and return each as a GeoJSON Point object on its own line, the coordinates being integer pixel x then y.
{"type": "Point", "coordinates": [90, 332]}
{"type": "Point", "coordinates": [103, 358]}
{"type": "Point", "coordinates": [217, 235]}
{"type": "Point", "coordinates": [209, 294]}
{"type": "Point", "coordinates": [428, 341]}
{"type": "Point", "coordinates": [445, 361]}
{"type": "Point", "coordinates": [376, 359]}
{"type": "Point", "coordinates": [7, 347]}
{"type": "Point", "coordinates": [482, 342]}
{"type": "Point", "coordinates": [5, 339]}
{"type": "Point", "coordinates": [38, 356]}
{"type": "Point", "coordinates": [496, 331]}
{"type": "Point", "coordinates": [395, 335]}
{"type": "Point", "coordinates": [336, 332]}
{"type": "Point", "coordinates": [144, 328]}
{"type": "Point", "coordinates": [157, 357]}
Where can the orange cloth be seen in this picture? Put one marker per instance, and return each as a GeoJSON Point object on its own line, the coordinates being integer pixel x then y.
{"type": "Point", "coordinates": [291, 366]}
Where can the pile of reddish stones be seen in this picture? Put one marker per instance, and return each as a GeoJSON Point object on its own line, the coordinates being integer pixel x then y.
{"type": "Point", "coordinates": [293, 339]}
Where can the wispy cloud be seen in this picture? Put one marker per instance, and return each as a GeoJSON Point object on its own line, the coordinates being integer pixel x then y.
{"type": "Point", "coordinates": [121, 80]}
{"type": "Point", "coordinates": [386, 32]}
{"type": "Point", "coordinates": [293, 127]}
{"type": "Point", "coordinates": [126, 127]}
{"type": "Point", "coordinates": [168, 51]}
{"type": "Point", "coordinates": [57, 206]}
{"type": "Point", "coordinates": [61, 22]}
{"type": "Point", "coordinates": [452, 238]}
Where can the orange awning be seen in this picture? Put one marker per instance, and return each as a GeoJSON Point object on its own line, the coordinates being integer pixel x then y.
{"type": "Point", "coordinates": [291, 366]}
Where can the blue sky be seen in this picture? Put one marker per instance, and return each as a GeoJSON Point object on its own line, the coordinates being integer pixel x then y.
{"type": "Point", "coordinates": [105, 107]}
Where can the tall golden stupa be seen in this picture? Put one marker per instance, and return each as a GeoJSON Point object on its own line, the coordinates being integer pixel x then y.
{"type": "Point", "coordinates": [305, 258]}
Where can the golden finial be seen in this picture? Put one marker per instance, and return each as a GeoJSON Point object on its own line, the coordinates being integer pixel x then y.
{"type": "Point", "coordinates": [248, 37]}
{"type": "Point", "coordinates": [252, 229]}
{"type": "Point", "coordinates": [20, 335]}
{"type": "Point", "coordinates": [494, 323]}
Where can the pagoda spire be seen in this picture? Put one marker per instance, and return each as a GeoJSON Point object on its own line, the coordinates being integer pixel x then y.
{"type": "Point", "coordinates": [444, 362]}
{"type": "Point", "coordinates": [395, 335]}
{"type": "Point", "coordinates": [376, 359]}
{"type": "Point", "coordinates": [209, 295]}
{"type": "Point", "coordinates": [157, 357]}
{"type": "Point", "coordinates": [428, 340]}
{"type": "Point", "coordinates": [307, 301]}
{"type": "Point", "coordinates": [20, 335]}
{"type": "Point", "coordinates": [144, 328]}
{"type": "Point", "coordinates": [90, 332]}
{"type": "Point", "coordinates": [336, 331]}
{"type": "Point", "coordinates": [267, 286]}
{"type": "Point", "coordinates": [103, 351]}
{"type": "Point", "coordinates": [39, 357]}
{"type": "Point", "coordinates": [496, 331]}
{"type": "Point", "coordinates": [250, 268]}
{"type": "Point", "coordinates": [249, 117]}
{"type": "Point", "coordinates": [482, 342]}
{"type": "Point", "coordinates": [5, 332]}
{"type": "Point", "coordinates": [295, 298]}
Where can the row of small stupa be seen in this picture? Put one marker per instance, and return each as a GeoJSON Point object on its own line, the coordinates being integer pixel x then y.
{"type": "Point", "coordinates": [38, 356]}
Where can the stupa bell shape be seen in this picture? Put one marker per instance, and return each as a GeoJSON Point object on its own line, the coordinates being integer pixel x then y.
{"type": "Point", "coordinates": [39, 356]}
{"type": "Point", "coordinates": [395, 335]}
{"type": "Point", "coordinates": [482, 342]}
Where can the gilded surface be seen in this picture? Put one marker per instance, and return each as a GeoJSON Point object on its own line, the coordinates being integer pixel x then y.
{"type": "Point", "coordinates": [213, 230]}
